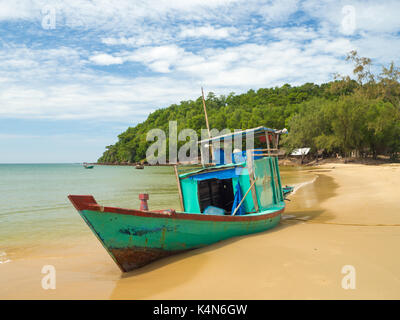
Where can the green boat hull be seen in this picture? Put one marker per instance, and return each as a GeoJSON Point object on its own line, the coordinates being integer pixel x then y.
{"type": "Point", "coordinates": [135, 238]}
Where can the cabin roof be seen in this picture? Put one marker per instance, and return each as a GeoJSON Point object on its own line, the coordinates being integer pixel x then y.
{"type": "Point", "coordinates": [213, 168]}
{"type": "Point", "coordinates": [254, 131]}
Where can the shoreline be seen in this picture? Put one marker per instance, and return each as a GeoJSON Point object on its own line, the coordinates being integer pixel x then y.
{"type": "Point", "coordinates": [287, 162]}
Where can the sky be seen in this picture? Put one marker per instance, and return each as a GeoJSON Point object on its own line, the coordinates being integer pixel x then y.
{"type": "Point", "coordinates": [75, 74]}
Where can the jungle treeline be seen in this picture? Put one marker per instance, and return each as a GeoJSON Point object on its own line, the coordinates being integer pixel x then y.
{"type": "Point", "coordinates": [356, 115]}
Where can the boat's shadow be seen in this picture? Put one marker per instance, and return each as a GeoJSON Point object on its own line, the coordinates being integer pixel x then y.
{"type": "Point", "coordinates": [171, 272]}
{"type": "Point", "coordinates": [285, 223]}
{"type": "Point", "coordinates": [294, 214]}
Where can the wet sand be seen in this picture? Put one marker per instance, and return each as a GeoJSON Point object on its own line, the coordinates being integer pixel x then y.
{"type": "Point", "coordinates": [350, 215]}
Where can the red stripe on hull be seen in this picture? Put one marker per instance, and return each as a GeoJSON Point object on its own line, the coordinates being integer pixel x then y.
{"type": "Point", "coordinates": [88, 202]}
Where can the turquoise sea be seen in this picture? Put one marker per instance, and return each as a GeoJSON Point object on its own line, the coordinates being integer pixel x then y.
{"type": "Point", "coordinates": [35, 211]}
{"type": "Point", "coordinates": [36, 215]}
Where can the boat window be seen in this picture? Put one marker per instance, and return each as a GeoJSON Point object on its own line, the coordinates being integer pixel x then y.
{"type": "Point", "coordinates": [216, 192]}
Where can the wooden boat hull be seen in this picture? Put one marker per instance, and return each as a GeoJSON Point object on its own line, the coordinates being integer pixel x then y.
{"type": "Point", "coordinates": [135, 238]}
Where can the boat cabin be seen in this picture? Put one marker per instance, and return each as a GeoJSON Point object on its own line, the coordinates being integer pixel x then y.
{"type": "Point", "coordinates": [236, 183]}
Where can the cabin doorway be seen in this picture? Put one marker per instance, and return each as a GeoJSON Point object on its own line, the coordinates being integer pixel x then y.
{"type": "Point", "coordinates": [216, 192]}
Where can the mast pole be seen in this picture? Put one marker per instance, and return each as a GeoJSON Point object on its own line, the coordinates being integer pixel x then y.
{"type": "Point", "coordinates": [179, 188]}
{"type": "Point", "coordinates": [208, 126]}
{"type": "Point", "coordinates": [268, 145]}
{"type": "Point", "coordinates": [205, 112]}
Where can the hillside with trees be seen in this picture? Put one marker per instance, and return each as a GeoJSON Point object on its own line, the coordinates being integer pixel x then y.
{"type": "Point", "coordinates": [358, 114]}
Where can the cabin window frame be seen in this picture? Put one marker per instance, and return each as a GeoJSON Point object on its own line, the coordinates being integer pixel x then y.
{"type": "Point", "coordinates": [219, 182]}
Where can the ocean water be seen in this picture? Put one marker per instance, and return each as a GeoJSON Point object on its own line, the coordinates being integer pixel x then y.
{"type": "Point", "coordinates": [36, 214]}
{"type": "Point", "coordinates": [36, 217]}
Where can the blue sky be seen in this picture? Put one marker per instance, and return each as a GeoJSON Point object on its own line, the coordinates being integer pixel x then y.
{"type": "Point", "coordinates": [74, 74]}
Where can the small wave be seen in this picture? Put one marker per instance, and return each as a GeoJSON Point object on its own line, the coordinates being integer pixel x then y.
{"type": "Point", "coordinates": [32, 209]}
{"type": "Point", "coordinates": [302, 184]}
{"type": "Point", "coordinates": [3, 258]}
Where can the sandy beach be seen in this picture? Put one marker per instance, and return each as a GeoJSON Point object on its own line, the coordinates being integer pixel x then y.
{"type": "Point", "coordinates": [350, 215]}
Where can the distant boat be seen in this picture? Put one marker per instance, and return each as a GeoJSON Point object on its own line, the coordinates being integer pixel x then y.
{"type": "Point", "coordinates": [217, 202]}
{"type": "Point", "coordinates": [139, 166]}
{"type": "Point", "coordinates": [88, 166]}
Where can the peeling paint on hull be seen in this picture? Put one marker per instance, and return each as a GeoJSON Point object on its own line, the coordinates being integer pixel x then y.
{"type": "Point", "coordinates": [135, 238]}
{"type": "Point", "coordinates": [132, 258]}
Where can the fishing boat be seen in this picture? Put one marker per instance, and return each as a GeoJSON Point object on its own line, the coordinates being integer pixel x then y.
{"type": "Point", "coordinates": [231, 197]}
{"type": "Point", "coordinates": [88, 166]}
{"type": "Point", "coordinates": [139, 166]}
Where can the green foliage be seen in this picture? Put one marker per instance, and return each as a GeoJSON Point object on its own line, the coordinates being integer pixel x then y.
{"type": "Point", "coordinates": [341, 116]}
{"type": "Point", "coordinates": [308, 124]}
{"type": "Point", "coordinates": [361, 116]}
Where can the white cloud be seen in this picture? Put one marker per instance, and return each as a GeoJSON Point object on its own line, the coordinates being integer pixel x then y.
{"type": "Point", "coordinates": [273, 10]}
{"type": "Point", "coordinates": [105, 59]}
{"type": "Point", "coordinates": [106, 99]}
{"type": "Point", "coordinates": [370, 15]}
{"type": "Point", "coordinates": [17, 9]}
{"type": "Point", "coordinates": [207, 31]}
{"type": "Point", "coordinates": [251, 65]}
{"type": "Point", "coordinates": [175, 40]}
{"type": "Point", "coordinates": [254, 66]}
{"type": "Point", "coordinates": [131, 41]}
{"type": "Point", "coordinates": [294, 33]}
{"type": "Point", "coordinates": [59, 84]}
{"type": "Point", "coordinates": [158, 59]}
{"type": "Point", "coordinates": [105, 15]}
{"type": "Point", "coordinates": [382, 48]}
{"type": "Point", "coordinates": [127, 15]}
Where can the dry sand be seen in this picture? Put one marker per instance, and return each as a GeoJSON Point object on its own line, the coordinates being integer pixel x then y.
{"type": "Point", "coordinates": [349, 216]}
